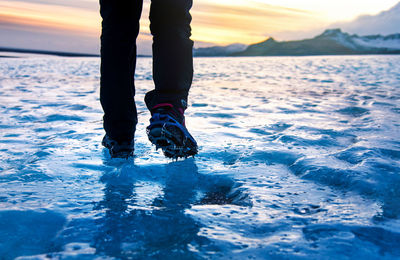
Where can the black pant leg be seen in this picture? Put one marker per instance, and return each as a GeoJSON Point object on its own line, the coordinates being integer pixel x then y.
{"type": "Point", "coordinates": [172, 52]}
{"type": "Point", "coordinates": [120, 28]}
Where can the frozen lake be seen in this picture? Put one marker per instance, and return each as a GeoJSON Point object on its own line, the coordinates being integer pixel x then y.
{"type": "Point", "coordinates": [299, 158]}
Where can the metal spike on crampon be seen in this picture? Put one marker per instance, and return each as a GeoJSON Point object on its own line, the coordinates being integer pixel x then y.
{"type": "Point", "coordinates": [172, 140]}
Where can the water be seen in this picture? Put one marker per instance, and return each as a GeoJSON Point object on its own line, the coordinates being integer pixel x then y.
{"type": "Point", "coordinates": [299, 158]}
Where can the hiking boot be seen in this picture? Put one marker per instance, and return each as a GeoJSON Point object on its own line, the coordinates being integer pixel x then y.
{"type": "Point", "coordinates": [118, 149]}
{"type": "Point", "coordinates": [167, 131]}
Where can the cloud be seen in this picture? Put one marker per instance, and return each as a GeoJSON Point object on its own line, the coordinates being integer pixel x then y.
{"type": "Point", "coordinates": [49, 16]}
{"type": "Point", "coordinates": [246, 21]}
{"type": "Point", "coordinates": [386, 22]}
{"type": "Point", "coordinates": [72, 22]}
{"type": "Point", "coordinates": [57, 26]}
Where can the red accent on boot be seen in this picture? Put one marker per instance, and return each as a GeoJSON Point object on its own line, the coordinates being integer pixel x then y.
{"type": "Point", "coordinates": [163, 105]}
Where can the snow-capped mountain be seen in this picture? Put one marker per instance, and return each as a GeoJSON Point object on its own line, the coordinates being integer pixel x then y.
{"type": "Point", "coordinates": [377, 41]}
{"type": "Point", "coordinates": [355, 42]}
{"type": "Point", "coordinates": [331, 42]}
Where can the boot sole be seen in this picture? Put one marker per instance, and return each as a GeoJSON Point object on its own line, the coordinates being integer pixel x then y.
{"type": "Point", "coordinates": [123, 153]}
{"type": "Point", "coordinates": [168, 138]}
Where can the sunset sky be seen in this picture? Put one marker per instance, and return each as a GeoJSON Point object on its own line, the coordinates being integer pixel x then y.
{"type": "Point", "coordinates": [74, 25]}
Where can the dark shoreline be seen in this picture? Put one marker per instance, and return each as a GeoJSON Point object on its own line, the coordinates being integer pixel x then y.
{"type": "Point", "coordinates": [55, 53]}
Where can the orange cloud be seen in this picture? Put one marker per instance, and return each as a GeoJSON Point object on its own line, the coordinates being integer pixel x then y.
{"type": "Point", "coordinates": [221, 22]}
{"type": "Point", "coordinates": [246, 21]}
{"type": "Point", "coordinates": [50, 16]}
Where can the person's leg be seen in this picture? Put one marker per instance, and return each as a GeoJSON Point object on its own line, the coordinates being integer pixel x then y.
{"type": "Point", "coordinates": [172, 74]}
{"type": "Point", "coordinates": [172, 52]}
{"type": "Point", "coordinates": [120, 28]}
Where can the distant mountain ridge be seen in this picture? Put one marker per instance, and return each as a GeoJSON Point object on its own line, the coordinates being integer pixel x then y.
{"type": "Point", "coordinates": [44, 52]}
{"type": "Point", "coordinates": [330, 42]}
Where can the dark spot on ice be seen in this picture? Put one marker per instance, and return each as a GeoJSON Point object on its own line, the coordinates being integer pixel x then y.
{"type": "Point", "coordinates": [396, 110]}
{"type": "Point", "coordinates": [307, 209]}
{"type": "Point", "coordinates": [279, 127]}
{"type": "Point", "coordinates": [376, 103]}
{"type": "Point", "coordinates": [57, 117]}
{"type": "Point", "coordinates": [6, 126]}
{"type": "Point", "coordinates": [77, 107]}
{"type": "Point", "coordinates": [259, 131]}
{"type": "Point", "coordinates": [353, 111]}
{"type": "Point", "coordinates": [25, 118]}
{"type": "Point", "coordinates": [11, 135]}
{"type": "Point", "coordinates": [327, 81]}
{"type": "Point", "coordinates": [223, 195]}
{"type": "Point", "coordinates": [199, 105]}
{"type": "Point", "coordinates": [217, 115]}
{"type": "Point", "coordinates": [287, 110]}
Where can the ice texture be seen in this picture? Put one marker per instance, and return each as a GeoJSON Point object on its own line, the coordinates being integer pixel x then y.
{"type": "Point", "coordinates": [299, 159]}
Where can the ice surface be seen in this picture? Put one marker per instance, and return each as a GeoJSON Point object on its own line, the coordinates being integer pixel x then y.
{"type": "Point", "coordinates": [299, 159]}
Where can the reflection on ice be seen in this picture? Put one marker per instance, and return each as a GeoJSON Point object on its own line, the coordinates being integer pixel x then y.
{"type": "Point", "coordinates": [144, 209]}
{"type": "Point", "coordinates": [299, 158]}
